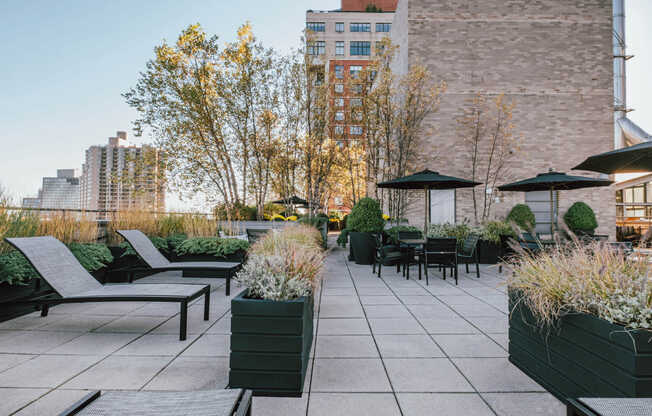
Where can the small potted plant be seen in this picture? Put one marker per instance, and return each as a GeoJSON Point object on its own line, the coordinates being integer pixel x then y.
{"type": "Point", "coordinates": [272, 319]}
{"type": "Point", "coordinates": [580, 219]}
{"type": "Point", "coordinates": [364, 222]}
{"type": "Point", "coordinates": [493, 235]}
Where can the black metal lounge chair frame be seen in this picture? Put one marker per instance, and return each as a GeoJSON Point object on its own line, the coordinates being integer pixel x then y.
{"type": "Point", "coordinates": [242, 406]}
{"type": "Point", "coordinates": [44, 303]}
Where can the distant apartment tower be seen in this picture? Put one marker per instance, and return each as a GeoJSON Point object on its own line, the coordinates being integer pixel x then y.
{"type": "Point", "coordinates": [60, 192]}
{"type": "Point", "coordinates": [344, 41]}
{"type": "Point", "coordinates": [122, 176]}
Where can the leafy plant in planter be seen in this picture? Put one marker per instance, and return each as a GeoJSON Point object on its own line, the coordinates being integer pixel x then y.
{"type": "Point", "coordinates": [580, 219]}
{"type": "Point", "coordinates": [458, 231]}
{"type": "Point", "coordinates": [581, 321]}
{"type": "Point", "coordinates": [272, 320]}
{"type": "Point", "coordinates": [365, 218]}
{"type": "Point", "coordinates": [392, 233]}
{"type": "Point", "coordinates": [212, 246]}
{"type": "Point", "coordinates": [15, 269]}
{"type": "Point", "coordinates": [522, 216]}
{"type": "Point", "coordinates": [92, 256]}
{"type": "Point", "coordinates": [175, 240]}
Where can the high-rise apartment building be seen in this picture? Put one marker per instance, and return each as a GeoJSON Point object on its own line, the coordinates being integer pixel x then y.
{"type": "Point", "coordinates": [344, 41]}
{"type": "Point", "coordinates": [121, 176]}
{"type": "Point", "coordinates": [60, 192]}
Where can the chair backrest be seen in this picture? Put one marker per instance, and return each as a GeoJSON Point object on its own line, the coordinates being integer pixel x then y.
{"type": "Point", "coordinates": [529, 238]}
{"type": "Point", "coordinates": [440, 250]}
{"type": "Point", "coordinates": [410, 235]}
{"type": "Point", "coordinates": [254, 234]}
{"type": "Point", "coordinates": [56, 264]}
{"type": "Point", "coordinates": [470, 244]}
{"type": "Point", "coordinates": [144, 247]}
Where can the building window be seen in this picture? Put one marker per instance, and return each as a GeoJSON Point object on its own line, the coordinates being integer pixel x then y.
{"type": "Point", "coordinates": [355, 130]}
{"type": "Point", "coordinates": [339, 27]}
{"type": "Point", "coordinates": [383, 27]}
{"type": "Point", "coordinates": [339, 116]}
{"type": "Point", "coordinates": [360, 48]}
{"type": "Point", "coordinates": [360, 27]}
{"type": "Point", "coordinates": [316, 26]}
{"type": "Point", "coordinates": [317, 47]}
{"type": "Point", "coordinates": [354, 70]}
{"type": "Point", "coordinates": [339, 102]}
{"type": "Point", "coordinates": [356, 102]}
{"type": "Point", "coordinates": [339, 129]}
{"type": "Point", "coordinates": [380, 48]}
{"type": "Point", "coordinates": [339, 88]}
{"type": "Point", "coordinates": [357, 116]}
{"type": "Point", "coordinates": [339, 71]}
{"type": "Point", "coordinates": [356, 88]}
{"type": "Point", "coordinates": [339, 48]}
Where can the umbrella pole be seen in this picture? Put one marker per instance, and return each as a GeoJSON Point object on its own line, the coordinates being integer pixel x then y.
{"type": "Point", "coordinates": [552, 214]}
{"type": "Point", "coordinates": [425, 213]}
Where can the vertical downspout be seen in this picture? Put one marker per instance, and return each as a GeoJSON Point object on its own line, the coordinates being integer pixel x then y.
{"type": "Point", "coordinates": [620, 87]}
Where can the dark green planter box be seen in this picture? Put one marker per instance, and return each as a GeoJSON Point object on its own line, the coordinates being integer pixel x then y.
{"type": "Point", "coordinates": [270, 345]}
{"type": "Point", "coordinates": [584, 356]}
{"type": "Point", "coordinates": [363, 246]}
{"type": "Point", "coordinates": [488, 252]}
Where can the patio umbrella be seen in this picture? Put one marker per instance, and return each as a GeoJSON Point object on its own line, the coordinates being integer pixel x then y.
{"type": "Point", "coordinates": [293, 200]}
{"type": "Point", "coordinates": [630, 159]}
{"type": "Point", "coordinates": [427, 180]}
{"type": "Point", "coordinates": [554, 181]}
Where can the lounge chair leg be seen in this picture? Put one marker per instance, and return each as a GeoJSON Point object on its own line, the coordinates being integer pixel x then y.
{"type": "Point", "coordinates": [228, 283]}
{"type": "Point", "coordinates": [183, 326]}
{"type": "Point", "coordinates": [207, 305]}
{"type": "Point", "coordinates": [373, 267]}
{"type": "Point", "coordinates": [45, 308]}
{"type": "Point", "coordinates": [379, 269]}
{"type": "Point", "coordinates": [456, 274]}
{"type": "Point", "coordinates": [425, 266]}
{"type": "Point", "coordinates": [398, 267]}
{"type": "Point", "coordinates": [467, 267]}
{"type": "Point", "coordinates": [419, 270]}
{"type": "Point", "coordinates": [477, 269]}
{"type": "Point", "coordinates": [500, 268]}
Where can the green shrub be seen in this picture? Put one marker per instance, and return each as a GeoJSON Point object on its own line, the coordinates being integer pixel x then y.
{"type": "Point", "coordinates": [215, 246]}
{"type": "Point", "coordinates": [343, 238]}
{"type": "Point", "coordinates": [160, 243]}
{"type": "Point", "coordinates": [448, 230]}
{"type": "Point", "coordinates": [492, 231]}
{"type": "Point", "coordinates": [580, 217]}
{"type": "Point", "coordinates": [522, 216]}
{"type": "Point", "coordinates": [92, 256]}
{"type": "Point", "coordinates": [174, 240]}
{"type": "Point", "coordinates": [15, 269]}
{"type": "Point", "coordinates": [366, 217]}
{"type": "Point", "coordinates": [393, 232]}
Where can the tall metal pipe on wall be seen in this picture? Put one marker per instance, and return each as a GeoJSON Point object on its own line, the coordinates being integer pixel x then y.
{"type": "Point", "coordinates": [626, 132]}
{"type": "Point", "coordinates": [620, 87]}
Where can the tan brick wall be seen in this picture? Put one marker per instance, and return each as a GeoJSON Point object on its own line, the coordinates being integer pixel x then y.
{"type": "Point", "coordinates": [552, 57]}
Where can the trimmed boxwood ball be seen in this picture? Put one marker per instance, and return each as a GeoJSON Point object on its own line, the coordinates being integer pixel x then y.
{"type": "Point", "coordinates": [366, 217]}
{"type": "Point", "coordinates": [523, 216]}
{"type": "Point", "coordinates": [580, 217]}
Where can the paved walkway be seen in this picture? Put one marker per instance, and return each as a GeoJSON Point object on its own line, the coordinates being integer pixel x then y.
{"type": "Point", "coordinates": [382, 347]}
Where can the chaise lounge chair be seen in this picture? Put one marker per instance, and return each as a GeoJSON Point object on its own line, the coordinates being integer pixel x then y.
{"type": "Point", "coordinates": [60, 268]}
{"type": "Point", "coordinates": [157, 262]}
{"type": "Point", "coordinates": [155, 403]}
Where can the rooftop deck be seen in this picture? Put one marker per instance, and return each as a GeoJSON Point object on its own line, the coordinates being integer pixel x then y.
{"type": "Point", "coordinates": [382, 347]}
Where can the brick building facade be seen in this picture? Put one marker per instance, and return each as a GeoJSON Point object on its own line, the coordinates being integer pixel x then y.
{"type": "Point", "coordinates": [552, 57]}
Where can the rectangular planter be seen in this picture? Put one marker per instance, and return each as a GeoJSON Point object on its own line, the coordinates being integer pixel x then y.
{"type": "Point", "coordinates": [583, 356]}
{"type": "Point", "coordinates": [11, 295]}
{"type": "Point", "coordinates": [270, 345]}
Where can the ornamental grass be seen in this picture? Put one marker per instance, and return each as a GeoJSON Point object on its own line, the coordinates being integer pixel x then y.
{"type": "Point", "coordinates": [575, 277]}
{"type": "Point", "coordinates": [285, 264]}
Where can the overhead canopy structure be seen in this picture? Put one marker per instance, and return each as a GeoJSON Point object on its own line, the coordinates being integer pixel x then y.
{"type": "Point", "coordinates": [427, 180]}
{"type": "Point", "coordinates": [632, 159]}
{"type": "Point", "coordinates": [554, 181]}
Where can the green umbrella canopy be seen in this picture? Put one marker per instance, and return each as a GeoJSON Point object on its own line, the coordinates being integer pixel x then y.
{"type": "Point", "coordinates": [631, 159]}
{"type": "Point", "coordinates": [557, 181]}
{"type": "Point", "coordinates": [427, 179]}
{"type": "Point", "coordinates": [293, 200]}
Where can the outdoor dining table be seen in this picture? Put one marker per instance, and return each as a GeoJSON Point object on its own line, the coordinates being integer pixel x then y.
{"type": "Point", "coordinates": [412, 245]}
